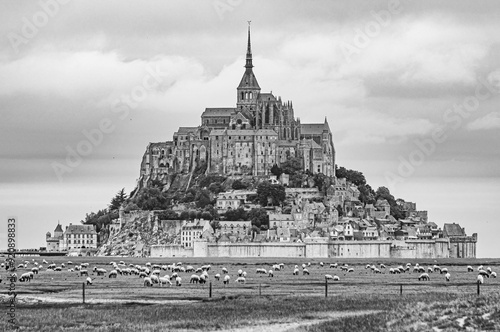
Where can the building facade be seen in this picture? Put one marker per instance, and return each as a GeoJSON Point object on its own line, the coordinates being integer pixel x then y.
{"type": "Point", "coordinates": [247, 139]}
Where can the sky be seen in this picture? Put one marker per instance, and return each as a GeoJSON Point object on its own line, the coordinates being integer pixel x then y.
{"type": "Point", "coordinates": [410, 90]}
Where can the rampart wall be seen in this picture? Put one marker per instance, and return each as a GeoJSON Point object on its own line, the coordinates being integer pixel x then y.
{"type": "Point", "coordinates": [323, 248]}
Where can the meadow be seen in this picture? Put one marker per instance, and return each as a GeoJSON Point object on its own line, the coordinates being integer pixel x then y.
{"type": "Point", "coordinates": [361, 300]}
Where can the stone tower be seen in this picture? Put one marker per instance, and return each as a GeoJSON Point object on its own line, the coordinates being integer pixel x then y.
{"type": "Point", "coordinates": [248, 89]}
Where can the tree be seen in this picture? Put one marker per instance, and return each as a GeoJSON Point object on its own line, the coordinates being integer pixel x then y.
{"type": "Point", "coordinates": [152, 199]}
{"type": "Point", "coordinates": [268, 193]}
{"type": "Point", "coordinates": [238, 184]}
{"type": "Point", "coordinates": [276, 170]}
{"type": "Point", "coordinates": [168, 215]}
{"type": "Point", "coordinates": [203, 198]}
{"type": "Point", "coordinates": [352, 176]}
{"type": "Point", "coordinates": [118, 200]}
{"type": "Point", "coordinates": [396, 210]}
{"type": "Point", "coordinates": [236, 214]}
{"type": "Point", "coordinates": [366, 194]}
{"type": "Point", "coordinates": [293, 167]}
{"type": "Point", "coordinates": [259, 218]}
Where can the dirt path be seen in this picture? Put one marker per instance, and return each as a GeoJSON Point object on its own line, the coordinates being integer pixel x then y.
{"type": "Point", "coordinates": [290, 326]}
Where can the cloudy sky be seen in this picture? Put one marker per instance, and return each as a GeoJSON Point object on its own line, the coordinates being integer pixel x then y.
{"type": "Point", "coordinates": [410, 89]}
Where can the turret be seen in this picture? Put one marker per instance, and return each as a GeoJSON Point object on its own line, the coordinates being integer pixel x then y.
{"type": "Point", "coordinates": [248, 89]}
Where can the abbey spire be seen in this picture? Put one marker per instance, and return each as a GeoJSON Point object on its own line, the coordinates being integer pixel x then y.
{"type": "Point", "coordinates": [248, 89]}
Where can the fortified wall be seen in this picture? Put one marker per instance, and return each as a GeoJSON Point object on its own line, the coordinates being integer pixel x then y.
{"type": "Point", "coordinates": [323, 248]}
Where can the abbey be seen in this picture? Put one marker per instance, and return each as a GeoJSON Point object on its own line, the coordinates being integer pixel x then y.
{"type": "Point", "coordinates": [247, 139]}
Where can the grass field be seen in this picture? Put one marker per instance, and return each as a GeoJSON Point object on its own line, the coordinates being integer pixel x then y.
{"type": "Point", "coordinates": [53, 300]}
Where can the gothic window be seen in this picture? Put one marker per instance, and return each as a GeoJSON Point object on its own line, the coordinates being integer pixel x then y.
{"type": "Point", "coordinates": [242, 96]}
{"type": "Point", "coordinates": [250, 95]}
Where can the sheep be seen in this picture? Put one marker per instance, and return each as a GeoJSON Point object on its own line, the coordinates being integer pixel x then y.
{"type": "Point", "coordinates": [34, 270]}
{"type": "Point", "coordinates": [244, 274]}
{"type": "Point", "coordinates": [100, 272]}
{"type": "Point", "coordinates": [493, 274]}
{"type": "Point", "coordinates": [165, 280]}
{"type": "Point", "coordinates": [447, 276]}
{"type": "Point", "coordinates": [226, 279]}
{"type": "Point", "coordinates": [276, 267]}
{"type": "Point", "coordinates": [261, 271]}
{"type": "Point", "coordinates": [336, 278]}
{"type": "Point", "coordinates": [155, 279]}
{"type": "Point", "coordinates": [25, 277]}
{"type": "Point", "coordinates": [142, 275]}
{"type": "Point", "coordinates": [436, 268]}
{"type": "Point", "coordinates": [368, 266]}
{"type": "Point", "coordinates": [148, 282]}
{"type": "Point", "coordinates": [480, 267]}
{"type": "Point", "coordinates": [164, 267]}
{"type": "Point", "coordinates": [206, 267]}
{"type": "Point", "coordinates": [484, 273]}
{"type": "Point", "coordinates": [156, 267]}
{"type": "Point", "coordinates": [444, 270]}
{"type": "Point", "coordinates": [470, 269]}
{"type": "Point", "coordinates": [430, 270]}
{"type": "Point", "coordinates": [89, 281]}
{"type": "Point", "coordinates": [240, 272]}
{"type": "Point", "coordinates": [224, 270]}
{"type": "Point", "coordinates": [480, 279]}
{"type": "Point", "coordinates": [296, 272]}
{"type": "Point", "coordinates": [113, 274]}
{"type": "Point", "coordinates": [203, 278]}
{"type": "Point", "coordinates": [148, 264]}
{"type": "Point", "coordinates": [488, 269]}
{"type": "Point", "coordinates": [350, 270]}
{"type": "Point", "coordinates": [424, 277]}
{"type": "Point", "coordinates": [194, 279]}
{"type": "Point", "coordinates": [174, 276]}
{"type": "Point", "coordinates": [321, 264]}
{"type": "Point", "coordinates": [305, 272]}
{"type": "Point", "coordinates": [217, 277]}
{"type": "Point", "coordinates": [270, 273]}
{"type": "Point", "coordinates": [84, 273]}
{"type": "Point", "coordinates": [282, 266]}
{"type": "Point", "coordinates": [20, 266]}
{"type": "Point", "coordinates": [189, 268]}
{"type": "Point", "coordinates": [84, 265]}
{"type": "Point", "coordinates": [241, 280]}
{"type": "Point", "coordinates": [382, 266]}
{"type": "Point", "coordinates": [178, 281]}
{"type": "Point", "coordinates": [303, 266]}
{"type": "Point", "coordinates": [156, 272]}
{"type": "Point", "coordinates": [45, 262]}
{"type": "Point", "coordinates": [58, 269]}
{"type": "Point", "coordinates": [328, 277]}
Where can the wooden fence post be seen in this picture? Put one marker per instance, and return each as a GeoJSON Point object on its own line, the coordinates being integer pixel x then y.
{"type": "Point", "coordinates": [210, 290]}
{"type": "Point", "coordinates": [326, 287]}
{"type": "Point", "coordinates": [83, 292]}
{"type": "Point", "coordinates": [478, 288]}
{"type": "Point", "coordinates": [400, 289]}
{"type": "Point", "coordinates": [260, 291]}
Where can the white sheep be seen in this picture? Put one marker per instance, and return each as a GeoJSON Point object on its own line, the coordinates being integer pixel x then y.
{"type": "Point", "coordinates": [89, 281]}
{"type": "Point", "coordinates": [296, 272]}
{"type": "Point", "coordinates": [241, 280]}
{"type": "Point", "coordinates": [444, 270]}
{"type": "Point", "coordinates": [484, 273]}
{"type": "Point", "coordinates": [226, 279]}
{"type": "Point", "coordinates": [178, 281]}
{"type": "Point", "coordinates": [271, 273]}
{"type": "Point", "coordinates": [45, 262]}
{"type": "Point", "coordinates": [25, 277]}
{"type": "Point", "coordinates": [217, 276]}
{"type": "Point", "coordinates": [194, 279]}
{"type": "Point", "coordinates": [142, 275]}
{"type": "Point", "coordinates": [261, 271]}
{"type": "Point", "coordinates": [424, 277]}
{"type": "Point", "coordinates": [305, 272]}
{"type": "Point", "coordinates": [447, 276]}
{"type": "Point", "coordinates": [470, 269]}
{"type": "Point", "coordinates": [84, 273]}
{"type": "Point", "coordinates": [206, 267]}
{"type": "Point", "coordinates": [350, 270]}
{"type": "Point", "coordinates": [328, 277]}
{"type": "Point", "coordinates": [244, 274]}
{"type": "Point", "coordinates": [189, 268]}
{"type": "Point", "coordinates": [480, 267]}
{"type": "Point", "coordinates": [148, 282]}
{"type": "Point", "coordinates": [203, 278]}
{"type": "Point", "coordinates": [156, 272]}
{"type": "Point", "coordinates": [333, 265]}
{"type": "Point", "coordinates": [480, 279]}
{"type": "Point", "coordinates": [488, 269]}
{"type": "Point", "coordinates": [224, 270]}
{"type": "Point", "coordinates": [336, 278]}
{"type": "Point", "coordinates": [240, 272]}
{"type": "Point", "coordinates": [382, 266]}
{"type": "Point", "coordinates": [493, 274]}
{"type": "Point", "coordinates": [165, 280]}
{"type": "Point", "coordinates": [113, 274]}
{"type": "Point", "coordinates": [303, 266]}
{"type": "Point", "coordinates": [34, 270]}
{"type": "Point", "coordinates": [321, 264]}
{"type": "Point", "coordinates": [155, 279]}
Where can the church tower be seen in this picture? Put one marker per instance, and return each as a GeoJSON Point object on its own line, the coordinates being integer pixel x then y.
{"type": "Point", "coordinates": [248, 89]}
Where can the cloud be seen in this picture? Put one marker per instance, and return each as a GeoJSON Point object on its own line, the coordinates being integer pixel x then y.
{"type": "Point", "coordinates": [489, 121]}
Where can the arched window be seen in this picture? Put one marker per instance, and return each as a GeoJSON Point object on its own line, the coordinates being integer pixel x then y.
{"type": "Point", "coordinates": [242, 95]}
{"type": "Point", "coordinates": [250, 95]}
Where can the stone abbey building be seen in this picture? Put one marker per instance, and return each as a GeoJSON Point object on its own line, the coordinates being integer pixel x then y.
{"type": "Point", "coordinates": [247, 139]}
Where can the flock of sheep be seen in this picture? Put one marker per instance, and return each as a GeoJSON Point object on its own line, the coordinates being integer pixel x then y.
{"type": "Point", "coordinates": [156, 274]}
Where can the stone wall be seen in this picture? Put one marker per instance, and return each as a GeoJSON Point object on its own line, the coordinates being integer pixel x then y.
{"type": "Point", "coordinates": [171, 250]}
{"type": "Point", "coordinates": [323, 248]}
